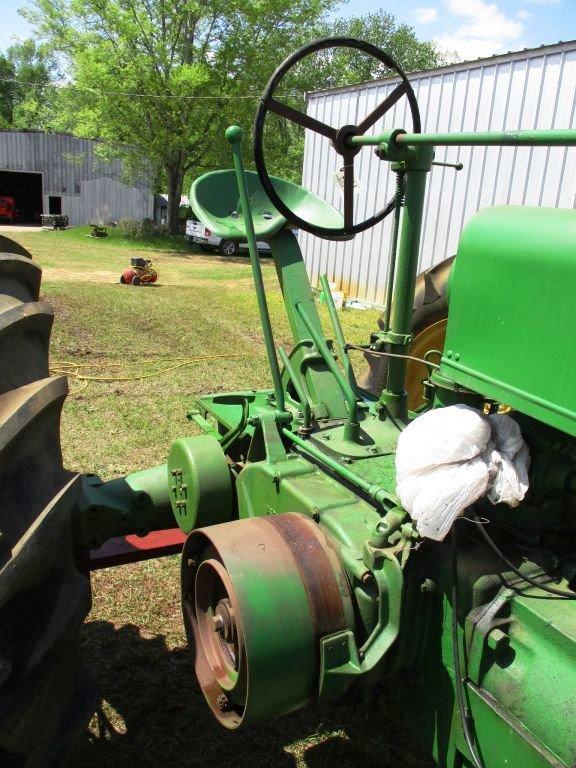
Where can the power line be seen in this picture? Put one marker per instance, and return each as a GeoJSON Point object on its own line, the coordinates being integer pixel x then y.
{"type": "Point", "coordinates": [131, 94]}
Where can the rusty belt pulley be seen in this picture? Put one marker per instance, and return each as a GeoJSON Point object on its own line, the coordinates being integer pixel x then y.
{"type": "Point", "coordinates": [257, 596]}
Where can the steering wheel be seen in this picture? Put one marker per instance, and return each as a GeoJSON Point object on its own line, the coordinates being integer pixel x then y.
{"type": "Point", "coordinates": [339, 137]}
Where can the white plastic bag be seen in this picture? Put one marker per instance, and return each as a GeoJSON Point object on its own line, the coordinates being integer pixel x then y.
{"type": "Point", "coordinates": [435, 498]}
{"type": "Point", "coordinates": [448, 458]}
{"type": "Point", "coordinates": [441, 436]}
{"type": "Point", "coordinates": [512, 459]}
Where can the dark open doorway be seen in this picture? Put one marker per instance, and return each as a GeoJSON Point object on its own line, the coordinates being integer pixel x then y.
{"type": "Point", "coordinates": [26, 189]}
{"type": "Point", "coordinates": [54, 205]}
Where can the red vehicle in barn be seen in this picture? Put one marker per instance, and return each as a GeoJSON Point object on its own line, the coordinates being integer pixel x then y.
{"type": "Point", "coordinates": [8, 208]}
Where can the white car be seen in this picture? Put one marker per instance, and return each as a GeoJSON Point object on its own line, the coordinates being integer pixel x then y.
{"type": "Point", "coordinates": [197, 233]}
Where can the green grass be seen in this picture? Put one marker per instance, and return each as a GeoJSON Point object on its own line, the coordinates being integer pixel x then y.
{"type": "Point", "coordinates": [116, 236]}
{"type": "Point", "coordinates": [151, 711]}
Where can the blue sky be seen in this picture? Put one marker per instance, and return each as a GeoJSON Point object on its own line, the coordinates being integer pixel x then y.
{"type": "Point", "coordinates": [469, 28]}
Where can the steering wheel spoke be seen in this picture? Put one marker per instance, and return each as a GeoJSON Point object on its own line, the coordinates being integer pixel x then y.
{"type": "Point", "coordinates": [348, 191]}
{"type": "Point", "coordinates": [340, 137]}
{"type": "Point", "coordinates": [382, 108]}
{"type": "Point", "coordinates": [299, 117]}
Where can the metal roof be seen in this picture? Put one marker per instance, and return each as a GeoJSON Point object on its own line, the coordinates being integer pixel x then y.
{"type": "Point", "coordinates": [525, 53]}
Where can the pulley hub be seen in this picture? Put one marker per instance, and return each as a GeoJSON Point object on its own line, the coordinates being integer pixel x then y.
{"type": "Point", "coordinates": [257, 596]}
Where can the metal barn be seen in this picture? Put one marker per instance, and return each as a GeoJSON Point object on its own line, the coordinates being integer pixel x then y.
{"type": "Point", "coordinates": [529, 89]}
{"type": "Point", "coordinates": [58, 173]}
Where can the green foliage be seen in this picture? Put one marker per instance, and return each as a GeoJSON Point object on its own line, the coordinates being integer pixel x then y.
{"type": "Point", "coordinates": [185, 212]}
{"type": "Point", "coordinates": [159, 81]}
{"type": "Point", "coordinates": [144, 230]}
{"type": "Point", "coordinates": [6, 92]}
{"type": "Point", "coordinates": [145, 75]}
{"type": "Point", "coordinates": [381, 29]}
{"type": "Point", "coordinates": [26, 95]}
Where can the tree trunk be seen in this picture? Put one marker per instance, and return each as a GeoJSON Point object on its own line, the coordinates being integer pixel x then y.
{"type": "Point", "coordinates": [175, 177]}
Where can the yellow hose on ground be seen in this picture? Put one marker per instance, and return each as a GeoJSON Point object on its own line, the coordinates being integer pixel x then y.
{"type": "Point", "coordinates": [72, 369]}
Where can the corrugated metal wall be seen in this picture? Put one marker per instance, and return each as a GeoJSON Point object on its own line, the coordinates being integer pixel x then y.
{"type": "Point", "coordinates": [72, 170]}
{"type": "Point", "coordinates": [532, 89]}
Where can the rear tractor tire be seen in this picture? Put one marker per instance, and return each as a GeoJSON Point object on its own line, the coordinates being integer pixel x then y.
{"type": "Point", "coordinates": [45, 698]}
{"type": "Point", "coordinates": [429, 319]}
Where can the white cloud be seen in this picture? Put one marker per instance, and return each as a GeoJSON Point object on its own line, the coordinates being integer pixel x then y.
{"type": "Point", "coordinates": [544, 2]}
{"type": "Point", "coordinates": [524, 15]}
{"type": "Point", "coordinates": [484, 29]}
{"type": "Point", "coordinates": [426, 14]}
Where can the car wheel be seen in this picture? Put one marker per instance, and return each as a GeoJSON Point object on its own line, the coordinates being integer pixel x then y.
{"type": "Point", "coordinates": [228, 248]}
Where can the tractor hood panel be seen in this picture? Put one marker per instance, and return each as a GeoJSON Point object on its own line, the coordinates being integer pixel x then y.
{"type": "Point", "coordinates": [512, 319]}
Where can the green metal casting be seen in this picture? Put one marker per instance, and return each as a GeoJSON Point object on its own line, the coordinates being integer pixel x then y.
{"type": "Point", "coordinates": [135, 504]}
{"type": "Point", "coordinates": [376, 493]}
{"type": "Point", "coordinates": [200, 484]}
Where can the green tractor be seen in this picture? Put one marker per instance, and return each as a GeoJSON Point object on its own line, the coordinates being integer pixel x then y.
{"type": "Point", "coordinates": [303, 577]}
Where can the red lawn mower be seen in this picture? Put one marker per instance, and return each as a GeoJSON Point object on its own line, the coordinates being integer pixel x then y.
{"type": "Point", "coordinates": [140, 272]}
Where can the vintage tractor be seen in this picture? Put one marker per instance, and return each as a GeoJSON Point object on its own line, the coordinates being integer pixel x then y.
{"type": "Point", "coordinates": [303, 578]}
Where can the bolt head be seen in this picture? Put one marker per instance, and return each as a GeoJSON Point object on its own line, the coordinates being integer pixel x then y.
{"type": "Point", "coordinates": [498, 641]}
{"type": "Point", "coordinates": [427, 586]}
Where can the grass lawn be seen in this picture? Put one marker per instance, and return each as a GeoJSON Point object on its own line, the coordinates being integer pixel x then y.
{"type": "Point", "coordinates": [151, 711]}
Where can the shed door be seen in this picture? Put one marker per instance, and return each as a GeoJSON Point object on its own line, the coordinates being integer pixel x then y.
{"type": "Point", "coordinates": [54, 205]}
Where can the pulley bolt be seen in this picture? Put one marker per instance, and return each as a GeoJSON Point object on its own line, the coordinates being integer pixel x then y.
{"type": "Point", "coordinates": [218, 623]}
{"type": "Point", "coordinates": [427, 586]}
{"type": "Point", "coordinates": [223, 703]}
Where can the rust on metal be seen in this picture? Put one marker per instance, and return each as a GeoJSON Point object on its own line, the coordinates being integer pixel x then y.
{"type": "Point", "coordinates": [316, 568]}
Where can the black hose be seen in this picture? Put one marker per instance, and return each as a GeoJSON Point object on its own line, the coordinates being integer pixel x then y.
{"type": "Point", "coordinates": [557, 592]}
{"type": "Point", "coordinates": [460, 681]}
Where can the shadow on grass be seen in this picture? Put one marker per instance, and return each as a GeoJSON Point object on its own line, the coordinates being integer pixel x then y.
{"type": "Point", "coordinates": [151, 712]}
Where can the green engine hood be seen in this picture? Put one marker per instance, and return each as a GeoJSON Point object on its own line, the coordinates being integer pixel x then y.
{"type": "Point", "coordinates": [512, 317]}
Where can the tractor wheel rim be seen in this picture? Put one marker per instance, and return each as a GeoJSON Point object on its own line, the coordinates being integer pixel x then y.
{"type": "Point", "coordinates": [431, 337]}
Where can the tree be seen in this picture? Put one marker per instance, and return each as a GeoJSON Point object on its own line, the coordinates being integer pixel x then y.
{"type": "Point", "coordinates": [157, 77]}
{"type": "Point", "coordinates": [6, 92]}
{"type": "Point", "coordinates": [26, 73]}
{"type": "Point", "coordinates": [384, 30]}
{"type": "Point", "coordinates": [159, 80]}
